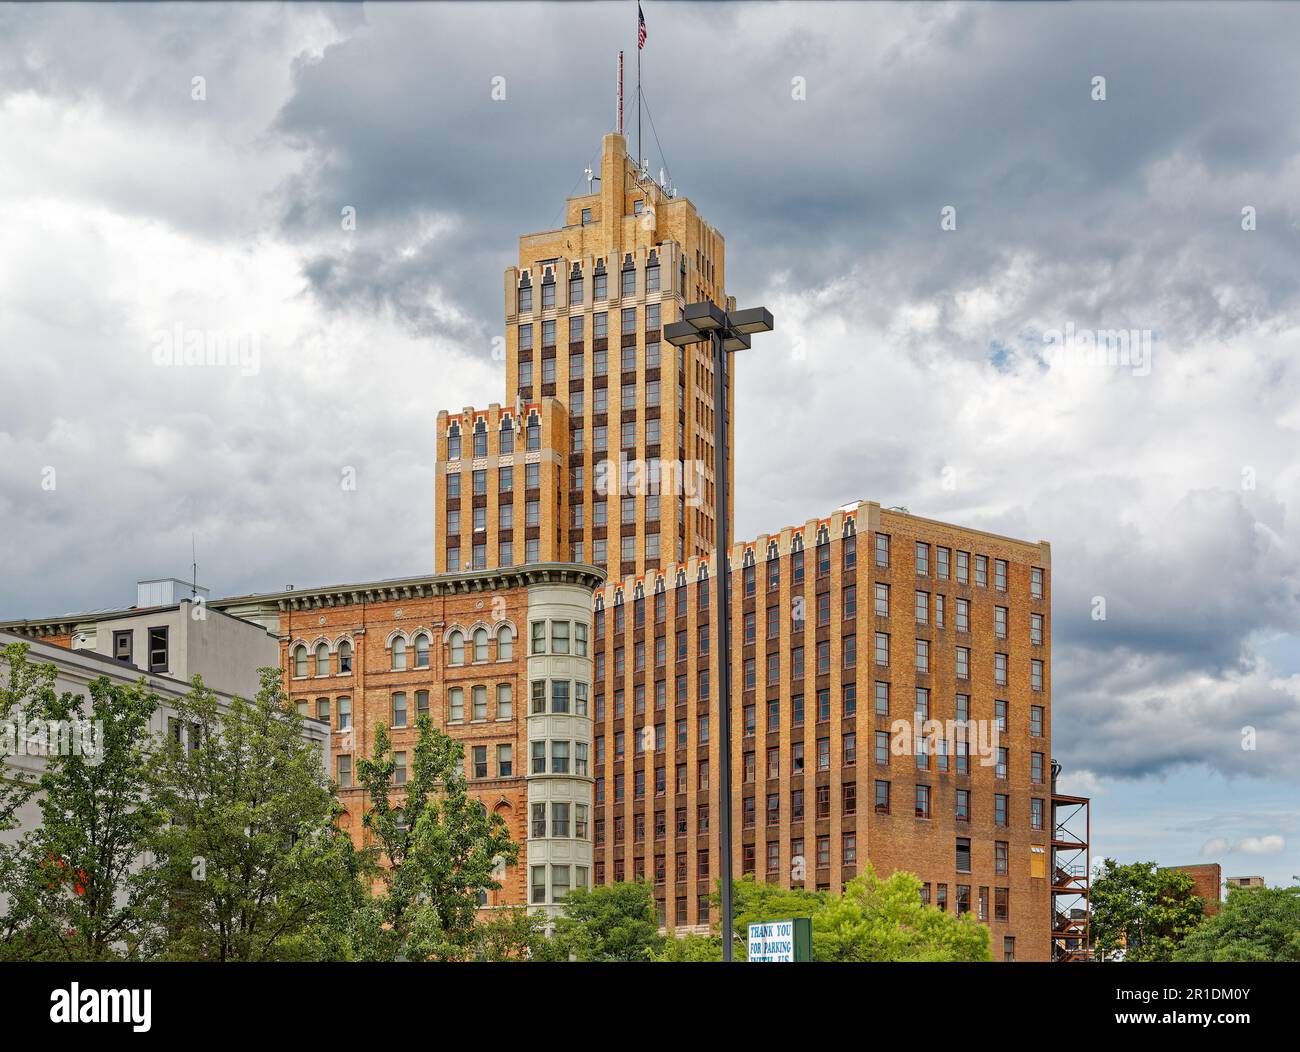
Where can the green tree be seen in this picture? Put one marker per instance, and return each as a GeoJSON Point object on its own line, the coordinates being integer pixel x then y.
{"type": "Point", "coordinates": [75, 885]}
{"type": "Point", "coordinates": [26, 693]}
{"type": "Point", "coordinates": [250, 866]}
{"type": "Point", "coordinates": [690, 948]}
{"type": "Point", "coordinates": [615, 922]}
{"type": "Point", "coordinates": [874, 920]}
{"type": "Point", "coordinates": [754, 901]}
{"type": "Point", "coordinates": [1255, 924]}
{"type": "Point", "coordinates": [436, 847]}
{"type": "Point", "coordinates": [885, 920]}
{"type": "Point", "coordinates": [1142, 911]}
{"type": "Point", "coordinates": [511, 934]}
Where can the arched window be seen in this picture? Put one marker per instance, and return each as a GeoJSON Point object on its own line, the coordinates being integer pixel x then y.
{"type": "Point", "coordinates": [457, 643]}
{"type": "Point", "coordinates": [345, 657]}
{"type": "Point", "coordinates": [300, 660]}
{"type": "Point", "coordinates": [422, 651]}
{"type": "Point", "coordinates": [399, 653]}
{"type": "Point", "coordinates": [505, 642]}
{"type": "Point", "coordinates": [480, 644]}
{"type": "Point", "coordinates": [322, 659]}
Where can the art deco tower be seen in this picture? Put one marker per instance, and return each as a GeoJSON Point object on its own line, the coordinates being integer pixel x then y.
{"type": "Point", "coordinates": [602, 451]}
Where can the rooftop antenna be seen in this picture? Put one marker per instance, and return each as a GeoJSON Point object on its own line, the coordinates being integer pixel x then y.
{"type": "Point", "coordinates": [591, 178]}
{"type": "Point", "coordinates": [618, 123]}
{"type": "Point", "coordinates": [194, 567]}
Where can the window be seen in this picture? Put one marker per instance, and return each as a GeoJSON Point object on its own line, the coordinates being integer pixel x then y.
{"type": "Point", "coordinates": [539, 637]}
{"type": "Point", "coordinates": [399, 654]}
{"type": "Point", "coordinates": [882, 748]}
{"type": "Point", "coordinates": [456, 648]}
{"type": "Point", "coordinates": [1036, 629]}
{"type": "Point", "coordinates": [345, 772]}
{"type": "Point", "coordinates": [158, 649]}
{"type": "Point", "coordinates": [923, 655]}
{"type": "Point", "coordinates": [1035, 813]}
{"type": "Point", "coordinates": [345, 713]}
{"type": "Point", "coordinates": [422, 651]}
{"type": "Point", "coordinates": [882, 698]}
{"type": "Point", "coordinates": [922, 608]}
{"type": "Point", "coordinates": [922, 801]}
{"type": "Point", "coordinates": [1000, 622]}
{"type": "Point", "coordinates": [963, 615]}
{"type": "Point", "coordinates": [882, 549]}
{"type": "Point", "coordinates": [963, 805]}
{"type": "Point", "coordinates": [1000, 669]}
{"type": "Point", "coordinates": [882, 649]}
{"type": "Point", "coordinates": [1001, 856]}
{"type": "Point", "coordinates": [963, 856]}
{"type": "Point", "coordinates": [942, 556]}
{"type": "Point", "coordinates": [1036, 583]}
{"type": "Point", "coordinates": [1036, 674]}
{"type": "Point", "coordinates": [480, 761]}
{"type": "Point", "coordinates": [399, 709]}
{"type": "Point", "coordinates": [322, 659]}
{"type": "Point", "coordinates": [1036, 721]}
{"type": "Point", "coordinates": [480, 709]}
{"type": "Point", "coordinates": [882, 600]}
{"type": "Point", "coordinates": [922, 559]}
{"type": "Point", "coordinates": [455, 705]}
{"type": "Point", "coordinates": [538, 883]}
{"type": "Point", "coordinates": [299, 661]}
{"type": "Point", "coordinates": [345, 658]}
{"type": "Point", "coordinates": [963, 662]}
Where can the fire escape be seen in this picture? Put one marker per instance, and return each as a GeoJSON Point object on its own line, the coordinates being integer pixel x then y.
{"type": "Point", "coordinates": [1071, 830]}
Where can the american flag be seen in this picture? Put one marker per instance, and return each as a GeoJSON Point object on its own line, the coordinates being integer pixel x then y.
{"type": "Point", "coordinates": [640, 29]}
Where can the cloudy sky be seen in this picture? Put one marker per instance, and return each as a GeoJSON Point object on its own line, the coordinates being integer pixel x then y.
{"type": "Point", "coordinates": [918, 363]}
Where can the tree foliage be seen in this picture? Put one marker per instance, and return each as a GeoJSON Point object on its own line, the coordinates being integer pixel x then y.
{"type": "Point", "coordinates": [249, 864]}
{"type": "Point", "coordinates": [1142, 912]}
{"type": "Point", "coordinates": [610, 923]}
{"type": "Point", "coordinates": [1255, 924]}
{"type": "Point", "coordinates": [437, 850]}
{"type": "Point", "coordinates": [74, 884]}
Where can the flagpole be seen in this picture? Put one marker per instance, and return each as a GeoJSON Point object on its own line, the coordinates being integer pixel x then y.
{"type": "Point", "coordinates": [638, 90]}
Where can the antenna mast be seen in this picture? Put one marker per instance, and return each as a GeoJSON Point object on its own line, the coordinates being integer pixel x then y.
{"type": "Point", "coordinates": [619, 115]}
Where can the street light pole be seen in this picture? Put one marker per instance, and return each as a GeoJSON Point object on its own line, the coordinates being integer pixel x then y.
{"type": "Point", "coordinates": [723, 615]}
{"type": "Point", "coordinates": [725, 332]}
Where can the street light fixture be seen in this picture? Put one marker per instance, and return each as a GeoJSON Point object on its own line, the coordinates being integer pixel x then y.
{"type": "Point", "coordinates": [726, 332]}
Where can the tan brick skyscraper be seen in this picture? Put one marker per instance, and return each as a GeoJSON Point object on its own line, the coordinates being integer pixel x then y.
{"type": "Point", "coordinates": [584, 309]}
